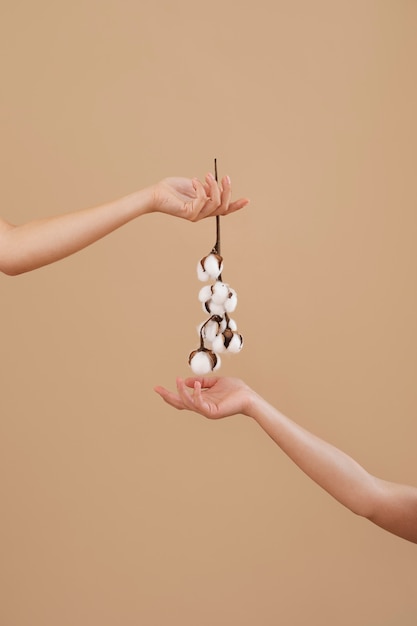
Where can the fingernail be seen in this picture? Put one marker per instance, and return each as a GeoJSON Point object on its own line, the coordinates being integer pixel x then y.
{"type": "Point", "coordinates": [210, 175]}
{"type": "Point", "coordinates": [228, 179]}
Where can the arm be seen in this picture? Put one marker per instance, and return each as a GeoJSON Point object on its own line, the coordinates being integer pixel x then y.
{"type": "Point", "coordinates": [40, 242]}
{"type": "Point", "coordinates": [391, 506]}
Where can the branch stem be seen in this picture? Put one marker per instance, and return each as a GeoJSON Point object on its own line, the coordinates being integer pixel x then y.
{"type": "Point", "coordinates": [217, 245]}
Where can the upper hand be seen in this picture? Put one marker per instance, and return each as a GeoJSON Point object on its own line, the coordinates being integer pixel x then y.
{"type": "Point", "coordinates": [213, 397]}
{"type": "Point", "coordinates": [193, 200]}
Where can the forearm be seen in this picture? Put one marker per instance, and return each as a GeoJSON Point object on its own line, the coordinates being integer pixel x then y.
{"type": "Point", "coordinates": [40, 242]}
{"type": "Point", "coordinates": [390, 505]}
{"type": "Point", "coordinates": [333, 470]}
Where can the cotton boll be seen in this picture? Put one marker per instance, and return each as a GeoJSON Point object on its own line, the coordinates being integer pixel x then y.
{"type": "Point", "coordinates": [205, 293]}
{"type": "Point", "coordinates": [207, 331]}
{"type": "Point", "coordinates": [201, 273]}
{"type": "Point", "coordinates": [222, 341]}
{"type": "Point", "coordinates": [202, 361]}
{"type": "Point", "coordinates": [236, 343]}
{"type": "Point", "coordinates": [220, 292]}
{"type": "Point", "coordinates": [210, 330]}
{"type": "Point", "coordinates": [231, 301]}
{"type": "Point", "coordinates": [227, 341]}
{"type": "Point", "coordinates": [222, 324]}
{"type": "Point", "coordinates": [213, 308]}
{"type": "Point", "coordinates": [211, 327]}
{"type": "Point", "coordinates": [218, 363]}
{"type": "Point", "coordinates": [218, 344]}
{"type": "Point", "coordinates": [232, 324]}
{"type": "Point", "coordinates": [201, 364]}
{"type": "Point", "coordinates": [213, 265]}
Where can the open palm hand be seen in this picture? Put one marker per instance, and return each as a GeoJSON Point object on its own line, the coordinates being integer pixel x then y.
{"type": "Point", "coordinates": [213, 397]}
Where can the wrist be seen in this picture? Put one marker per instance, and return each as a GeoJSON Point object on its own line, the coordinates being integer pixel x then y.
{"type": "Point", "coordinates": [251, 404]}
{"type": "Point", "coordinates": [259, 409]}
{"type": "Point", "coordinates": [139, 202]}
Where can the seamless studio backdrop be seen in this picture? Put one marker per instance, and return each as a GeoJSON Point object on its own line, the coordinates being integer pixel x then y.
{"type": "Point", "coordinates": [116, 509]}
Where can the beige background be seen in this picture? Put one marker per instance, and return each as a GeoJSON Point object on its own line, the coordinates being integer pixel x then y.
{"type": "Point", "coordinates": [115, 509]}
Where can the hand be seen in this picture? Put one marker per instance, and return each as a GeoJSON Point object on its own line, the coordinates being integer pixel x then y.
{"type": "Point", "coordinates": [213, 397]}
{"type": "Point", "coordinates": [192, 200]}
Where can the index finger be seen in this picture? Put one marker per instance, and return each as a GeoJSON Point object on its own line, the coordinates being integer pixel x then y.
{"type": "Point", "coordinates": [170, 398]}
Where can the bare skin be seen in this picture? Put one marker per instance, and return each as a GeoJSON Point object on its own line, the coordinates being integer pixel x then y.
{"type": "Point", "coordinates": [391, 506]}
{"type": "Point", "coordinates": [41, 242]}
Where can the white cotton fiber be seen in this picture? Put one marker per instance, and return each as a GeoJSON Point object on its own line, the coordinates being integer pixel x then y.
{"type": "Point", "coordinates": [232, 324]}
{"type": "Point", "coordinates": [220, 292]}
{"type": "Point", "coordinates": [213, 308]}
{"type": "Point", "coordinates": [231, 301]}
{"type": "Point", "coordinates": [210, 330]}
{"type": "Point", "coordinates": [201, 363]}
{"type": "Point", "coordinates": [235, 344]}
{"type": "Point", "coordinates": [201, 273]}
{"type": "Point", "coordinates": [205, 293]}
{"type": "Point", "coordinates": [213, 265]}
{"type": "Point", "coordinates": [201, 332]}
{"type": "Point", "coordinates": [218, 363]}
{"type": "Point", "coordinates": [218, 344]}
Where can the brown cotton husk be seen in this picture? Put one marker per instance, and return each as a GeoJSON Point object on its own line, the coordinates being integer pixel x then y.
{"type": "Point", "coordinates": [228, 336]}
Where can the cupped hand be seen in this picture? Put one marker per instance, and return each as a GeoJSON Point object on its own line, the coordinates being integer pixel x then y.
{"type": "Point", "coordinates": [213, 397]}
{"type": "Point", "coordinates": [193, 200]}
